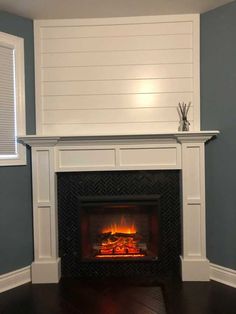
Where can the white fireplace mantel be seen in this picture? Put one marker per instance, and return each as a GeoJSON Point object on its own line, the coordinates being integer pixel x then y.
{"type": "Point", "coordinates": [180, 150]}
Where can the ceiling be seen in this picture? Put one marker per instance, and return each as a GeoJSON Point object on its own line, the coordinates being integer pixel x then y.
{"type": "Point", "coordinates": [59, 9]}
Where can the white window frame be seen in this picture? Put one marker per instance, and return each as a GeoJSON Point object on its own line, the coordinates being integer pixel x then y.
{"type": "Point", "coordinates": [17, 43]}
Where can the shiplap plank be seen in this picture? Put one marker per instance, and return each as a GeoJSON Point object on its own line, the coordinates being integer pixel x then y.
{"type": "Point", "coordinates": [117, 58]}
{"type": "Point", "coordinates": [120, 72]}
{"type": "Point", "coordinates": [113, 115]}
{"type": "Point", "coordinates": [117, 30]}
{"type": "Point", "coordinates": [118, 87]}
{"type": "Point", "coordinates": [122, 128]}
{"type": "Point", "coordinates": [182, 41]}
{"type": "Point", "coordinates": [115, 101]}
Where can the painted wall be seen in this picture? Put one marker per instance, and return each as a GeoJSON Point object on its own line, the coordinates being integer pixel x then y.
{"type": "Point", "coordinates": [16, 245]}
{"type": "Point", "coordinates": [218, 111]}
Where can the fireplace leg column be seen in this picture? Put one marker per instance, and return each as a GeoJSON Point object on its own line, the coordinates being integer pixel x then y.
{"type": "Point", "coordinates": [195, 266]}
{"type": "Point", "coordinates": [46, 265]}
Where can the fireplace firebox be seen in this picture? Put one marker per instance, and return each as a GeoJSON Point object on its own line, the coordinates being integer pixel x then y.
{"type": "Point", "coordinates": [119, 227]}
{"type": "Point", "coordinates": [141, 208]}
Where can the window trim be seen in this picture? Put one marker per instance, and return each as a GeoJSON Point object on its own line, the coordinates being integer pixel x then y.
{"type": "Point", "coordinates": [17, 43]}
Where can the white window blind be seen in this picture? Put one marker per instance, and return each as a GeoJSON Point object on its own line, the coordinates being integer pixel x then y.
{"type": "Point", "coordinates": [12, 100]}
{"type": "Point", "coordinates": [8, 145]}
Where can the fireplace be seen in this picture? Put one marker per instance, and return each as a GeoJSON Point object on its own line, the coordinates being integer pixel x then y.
{"type": "Point", "coordinates": [138, 210]}
{"type": "Point", "coordinates": [55, 157]}
{"type": "Point", "coordinates": [119, 227]}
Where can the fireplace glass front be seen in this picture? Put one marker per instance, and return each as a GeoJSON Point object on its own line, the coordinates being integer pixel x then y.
{"type": "Point", "coordinates": [119, 228]}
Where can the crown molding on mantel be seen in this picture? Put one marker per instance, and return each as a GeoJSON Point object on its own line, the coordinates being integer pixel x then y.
{"type": "Point", "coordinates": [181, 137]}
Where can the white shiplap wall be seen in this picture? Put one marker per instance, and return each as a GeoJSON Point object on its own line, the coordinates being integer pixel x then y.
{"type": "Point", "coordinates": [116, 75]}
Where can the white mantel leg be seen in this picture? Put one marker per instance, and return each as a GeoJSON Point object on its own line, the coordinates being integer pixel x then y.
{"type": "Point", "coordinates": [195, 266]}
{"type": "Point", "coordinates": [46, 265]}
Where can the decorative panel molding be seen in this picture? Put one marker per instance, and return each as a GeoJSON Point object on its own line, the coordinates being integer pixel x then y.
{"type": "Point", "coordinates": [114, 157]}
{"type": "Point", "coordinates": [153, 157]}
{"type": "Point", "coordinates": [85, 158]}
{"type": "Point", "coordinates": [44, 221]}
{"type": "Point", "coordinates": [43, 179]}
{"type": "Point", "coordinates": [116, 75]}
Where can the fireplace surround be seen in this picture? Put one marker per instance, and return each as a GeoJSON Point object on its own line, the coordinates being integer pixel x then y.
{"type": "Point", "coordinates": [183, 151]}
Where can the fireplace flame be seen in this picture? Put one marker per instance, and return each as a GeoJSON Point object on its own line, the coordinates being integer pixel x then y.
{"type": "Point", "coordinates": [121, 227]}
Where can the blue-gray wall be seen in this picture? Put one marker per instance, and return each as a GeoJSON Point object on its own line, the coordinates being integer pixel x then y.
{"type": "Point", "coordinates": [218, 111]}
{"type": "Point", "coordinates": [16, 245]}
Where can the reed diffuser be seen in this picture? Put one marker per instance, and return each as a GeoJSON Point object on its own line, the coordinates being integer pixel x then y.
{"type": "Point", "coordinates": [183, 113]}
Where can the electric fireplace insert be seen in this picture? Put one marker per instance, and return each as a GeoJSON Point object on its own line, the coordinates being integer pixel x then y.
{"type": "Point", "coordinates": [93, 206]}
{"type": "Point", "coordinates": [119, 227]}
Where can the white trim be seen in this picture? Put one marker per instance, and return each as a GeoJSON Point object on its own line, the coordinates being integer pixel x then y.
{"type": "Point", "coordinates": [15, 278]}
{"type": "Point", "coordinates": [195, 269]}
{"type": "Point", "coordinates": [39, 25]}
{"type": "Point", "coordinates": [116, 20]}
{"type": "Point", "coordinates": [223, 275]}
{"type": "Point", "coordinates": [46, 271]}
{"type": "Point", "coordinates": [196, 71]}
{"type": "Point", "coordinates": [165, 137]}
{"type": "Point", "coordinates": [37, 70]}
{"type": "Point", "coordinates": [17, 43]}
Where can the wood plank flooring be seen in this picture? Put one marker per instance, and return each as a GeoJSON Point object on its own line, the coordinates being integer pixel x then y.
{"type": "Point", "coordinates": [73, 296]}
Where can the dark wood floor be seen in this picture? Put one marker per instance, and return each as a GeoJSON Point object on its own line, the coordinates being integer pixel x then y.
{"type": "Point", "coordinates": [85, 296]}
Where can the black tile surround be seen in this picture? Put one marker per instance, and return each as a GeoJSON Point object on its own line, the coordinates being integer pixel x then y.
{"type": "Point", "coordinates": [72, 185]}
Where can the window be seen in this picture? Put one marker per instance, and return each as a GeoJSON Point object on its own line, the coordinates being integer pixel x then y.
{"type": "Point", "coordinates": [12, 100]}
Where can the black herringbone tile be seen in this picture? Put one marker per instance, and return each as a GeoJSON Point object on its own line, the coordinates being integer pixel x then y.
{"type": "Point", "coordinates": [112, 183]}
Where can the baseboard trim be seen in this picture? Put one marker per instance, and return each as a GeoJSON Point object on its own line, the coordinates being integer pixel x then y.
{"type": "Point", "coordinates": [223, 275]}
{"type": "Point", "coordinates": [46, 271]}
{"type": "Point", "coordinates": [195, 269]}
{"type": "Point", "coordinates": [15, 278]}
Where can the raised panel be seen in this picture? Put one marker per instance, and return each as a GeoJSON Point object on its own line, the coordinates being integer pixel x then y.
{"type": "Point", "coordinates": [85, 158]}
{"type": "Point", "coordinates": [193, 231]}
{"type": "Point", "coordinates": [44, 232]}
{"type": "Point", "coordinates": [160, 157]}
{"type": "Point", "coordinates": [42, 176]}
{"type": "Point", "coordinates": [192, 154]}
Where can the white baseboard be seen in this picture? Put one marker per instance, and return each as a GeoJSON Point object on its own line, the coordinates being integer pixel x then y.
{"type": "Point", "coordinates": [46, 271]}
{"type": "Point", "coordinates": [223, 275]}
{"type": "Point", "coordinates": [195, 269]}
{"type": "Point", "coordinates": [15, 278]}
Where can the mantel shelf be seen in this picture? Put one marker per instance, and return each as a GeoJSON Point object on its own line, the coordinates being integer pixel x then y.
{"type": "Point", "coordinates": [198, 136]}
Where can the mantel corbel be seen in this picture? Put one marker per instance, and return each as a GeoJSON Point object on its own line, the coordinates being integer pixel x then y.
{"type": "Point", "coordinates": [200, 137]}
{"type": "Point", "coordinates": [38, 141]}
